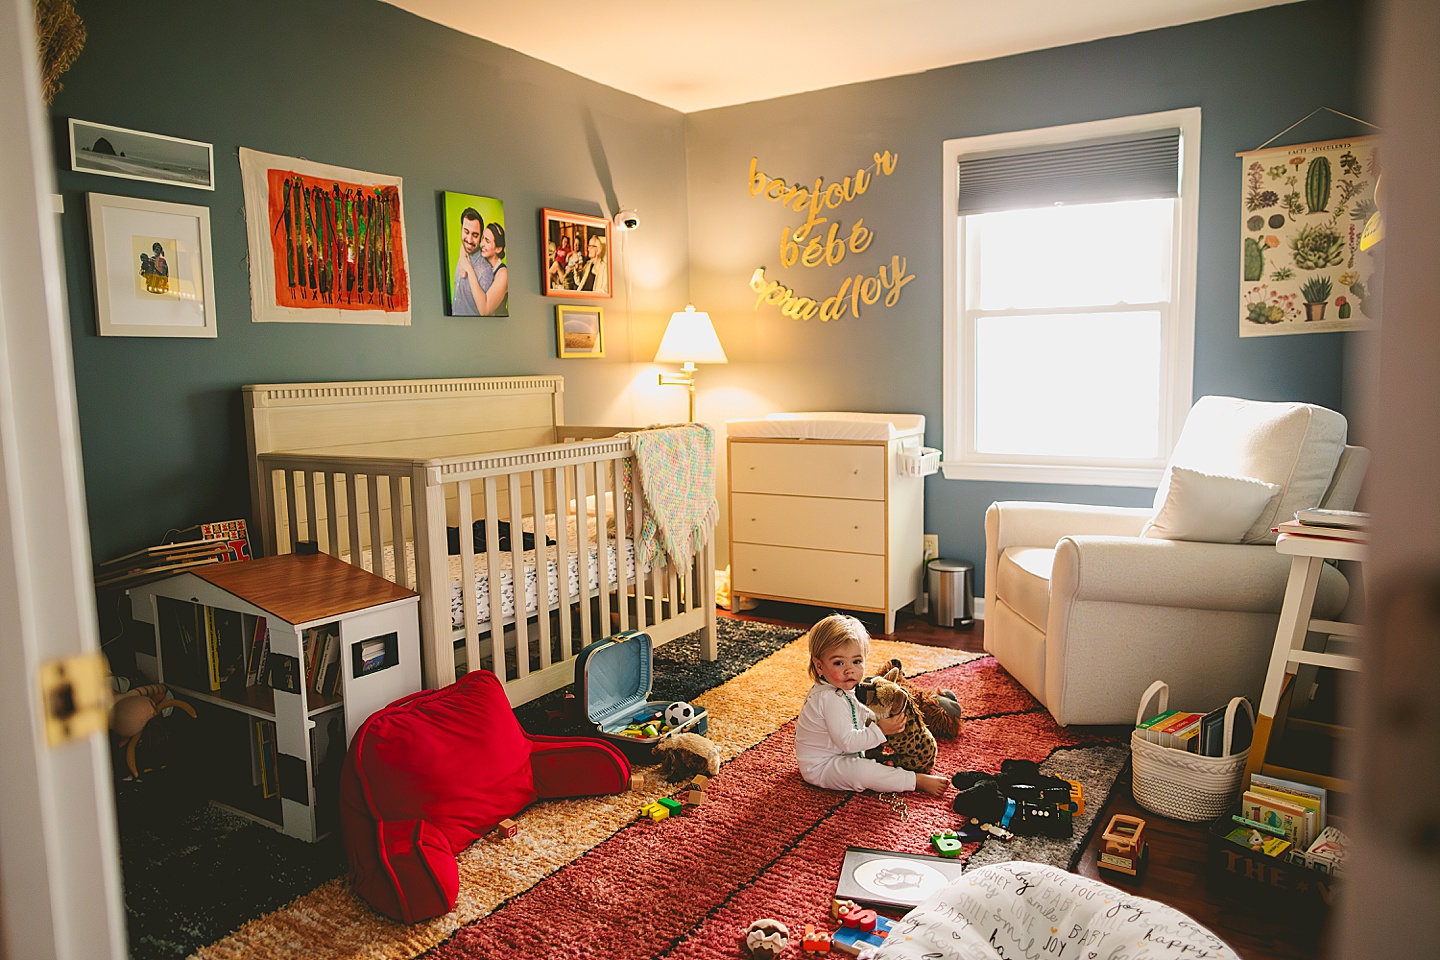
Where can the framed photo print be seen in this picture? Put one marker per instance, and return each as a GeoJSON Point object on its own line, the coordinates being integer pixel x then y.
{"type": "Point", "coordinates": [579, 332]}
{"type": "Point", "coordinates": [575, 259]}
{"type": "Point", "coordinates": [327, 244]}
{"type": "Point", "coordinates": [152, 267]}
{"type": "Point", "coordinates": [891, 878]}
{"type": "Point", "coordinates": [135, 155]}
{"type": "Point", "coordinates": [477, 279]}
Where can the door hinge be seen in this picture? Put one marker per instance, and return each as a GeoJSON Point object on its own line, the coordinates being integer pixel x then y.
{"type": "Point", "coordinates": [75, 697]}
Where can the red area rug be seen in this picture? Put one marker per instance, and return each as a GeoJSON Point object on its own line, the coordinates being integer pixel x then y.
{"type": "Point", "coordinates": [765, 843]}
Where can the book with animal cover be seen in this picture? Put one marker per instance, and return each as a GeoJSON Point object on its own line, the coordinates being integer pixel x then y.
{"type": "Point", "coordinates": [1322, 517]}
{"type": "Point", "coordinates": [1311, 808]}
{"type": "Point", "coordinates": [1253, 838]}
{"type": "Point", "coordinates": [1286, 816]}
{"type": "Point", "coordinates": [1305, 794]}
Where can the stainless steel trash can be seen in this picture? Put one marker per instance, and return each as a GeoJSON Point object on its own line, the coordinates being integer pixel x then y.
{"type": "Point", "coordinates": [951, 586]}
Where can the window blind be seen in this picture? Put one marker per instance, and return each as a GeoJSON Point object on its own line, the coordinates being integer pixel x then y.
{"type": "Point", "coordinates": [1138, 167]}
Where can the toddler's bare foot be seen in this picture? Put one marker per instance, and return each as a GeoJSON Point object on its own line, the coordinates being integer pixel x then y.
{"type": "Point", "coordinates": [934, 786]}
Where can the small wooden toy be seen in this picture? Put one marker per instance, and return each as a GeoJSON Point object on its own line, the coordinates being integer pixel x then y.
{"type": "Point", "coordinates": [695, 797]}
{"type": "Point", "coordinates": [815, 941]}
{"type": "Point", "coordinates": [946, 843]}
{"type": "Point", "coordinates": [655, 811]}
{"type": "Point", "coordinates": [637, 780]}
{"type": "Point", "coordinates": [1124, 850]}
{"type": "Point", "coordinates": [1076, 806]}
{"type": "Point", "coordinates": [672, 805]}
{"type": "Point", "coordinates": [995, 831]}
{"type": "Point", "coordinates": [851, 940]}
{"type": "Point", "coordinates": [766, 939]}
{"type": "Point", "coordinates": [859, 918]}
{"type": "Point", "coordinates": [837, 906]}
{"type": "Point", "coordinates": [507, 828]}
{"type": "Point", "coordinates": [700, 782]}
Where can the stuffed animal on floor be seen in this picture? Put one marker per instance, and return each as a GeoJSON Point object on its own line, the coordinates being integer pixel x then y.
{"type": "Point", "coordinates": [913, 748]}
{"type": "Point", "coordinates": [1019, 798]}
{"type": "Point", "coordinates": [686, 754]}
{"type": "Point", "coordinates": [941, 711]}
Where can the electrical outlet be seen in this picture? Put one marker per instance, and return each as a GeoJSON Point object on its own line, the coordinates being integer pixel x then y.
{"type": "Point", "coordinates": [932, 546]}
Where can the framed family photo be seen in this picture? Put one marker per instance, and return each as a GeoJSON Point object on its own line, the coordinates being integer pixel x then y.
{"type": "Point", "coordinates": [152, 267]}
{"type": "Point", "coordinates": [579, 332]}
{"type": "Point", "coordinates": [477, 279]}
{"type": "Point", "coordinates": [136, 155]}
{"type": "Point", "coordinates": [575, 259]}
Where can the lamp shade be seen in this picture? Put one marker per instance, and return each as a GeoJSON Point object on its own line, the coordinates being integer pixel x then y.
{"type": "Point", "coordinates": [690, 337]}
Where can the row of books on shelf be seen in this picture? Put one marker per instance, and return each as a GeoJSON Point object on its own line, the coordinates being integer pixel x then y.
{"type": "Point", "coordinates": [321, 650]}
{"type": "Point", "coordinates": [1287, 819]}
{"type": "Point", "coordinates": [1198, 733]}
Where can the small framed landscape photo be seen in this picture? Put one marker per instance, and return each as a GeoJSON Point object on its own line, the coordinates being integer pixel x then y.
{"type": "Point", "coordinates": [135, 155]}
{"type": "Point", "coordinates": [574, 255]}
{"type": "Point", "coordinates": [579, 332]}
{"type": "Point", "coordinates": [152, 266]}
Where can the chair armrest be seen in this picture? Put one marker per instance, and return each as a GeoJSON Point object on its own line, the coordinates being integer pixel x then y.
{"type": "Point", "coordinates": [1025, 523]}
{"type": "Point", "coordinates": [1173, 573]}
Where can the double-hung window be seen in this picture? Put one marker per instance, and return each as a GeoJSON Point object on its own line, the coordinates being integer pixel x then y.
{"type": "Point", "coordinates": [1069, 299]}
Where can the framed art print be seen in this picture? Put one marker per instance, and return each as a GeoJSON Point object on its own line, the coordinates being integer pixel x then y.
{"type": "Point", "coordinates": [477, 277]}
{"type": "Point", "coordinates": [327, 244]}
{"type": "Point", "coordinates": [579, 332]}
{"type": "Point", "coordinates": [890, 878]}
{"type": "Point", "coordinates": [575, 256]}
{"type": "Point", "coordinates": [152, 267]}
{"type": "Point", "coordinates": [135, 155]}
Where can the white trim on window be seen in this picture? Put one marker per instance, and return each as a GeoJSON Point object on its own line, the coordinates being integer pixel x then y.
{"type": "Point", "coordinates": [1179, 342]}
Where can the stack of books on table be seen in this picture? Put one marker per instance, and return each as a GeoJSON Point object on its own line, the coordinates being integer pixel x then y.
{"type": "Point", "coordinates": [1324, 524]}
{"type": "Point", "coordinates": [154, 563]}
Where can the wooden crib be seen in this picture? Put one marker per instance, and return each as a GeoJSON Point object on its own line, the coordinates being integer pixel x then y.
{"type": "Point", "coordinates": [376, 471]}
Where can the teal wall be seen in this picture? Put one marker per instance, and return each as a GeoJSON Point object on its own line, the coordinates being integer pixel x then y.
{"type": "Point", "coordinates": [361, 84]}
{"type": "Point", "coordinates": [1252, 75]}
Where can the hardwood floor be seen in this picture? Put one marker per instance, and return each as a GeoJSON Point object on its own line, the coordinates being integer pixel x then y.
{"type": "Point", "coordinates": [1176, 872]}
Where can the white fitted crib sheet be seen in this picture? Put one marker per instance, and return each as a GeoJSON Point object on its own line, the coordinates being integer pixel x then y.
{"type": "Point", "coordinates": [532, 579]}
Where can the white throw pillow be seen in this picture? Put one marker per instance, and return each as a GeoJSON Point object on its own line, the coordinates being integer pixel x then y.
{"type": "Point", "coordinates": [1201, 506]}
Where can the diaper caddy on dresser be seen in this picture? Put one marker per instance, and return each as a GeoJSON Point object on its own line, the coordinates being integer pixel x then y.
{"type": "Point", "coordinates": [828, 509]}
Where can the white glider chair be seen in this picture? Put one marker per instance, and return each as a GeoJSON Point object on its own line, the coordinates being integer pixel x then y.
{"type": "Point", "coordinates": [1086, 606]}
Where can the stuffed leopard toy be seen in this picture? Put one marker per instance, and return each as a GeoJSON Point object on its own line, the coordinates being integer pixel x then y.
{"type": "Point", "coordinates": [912, 748]}
{"type": "Point", "coordinates": [940, 711]}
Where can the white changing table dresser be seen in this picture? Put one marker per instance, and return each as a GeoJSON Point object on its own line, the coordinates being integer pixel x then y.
{"type": "Point", "coordinates": [827, 509]}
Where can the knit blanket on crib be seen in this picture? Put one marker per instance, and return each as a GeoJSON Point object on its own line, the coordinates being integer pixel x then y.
{"type": "Point", "coordinates": [675, 492]}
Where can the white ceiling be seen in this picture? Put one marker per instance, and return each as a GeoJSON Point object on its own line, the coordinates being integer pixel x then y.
{"type": "Point", "coordinates": [697, 54]}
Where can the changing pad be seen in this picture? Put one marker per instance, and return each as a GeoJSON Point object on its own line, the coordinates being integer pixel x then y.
{"type": "Point", "coordinates": [830, 425]}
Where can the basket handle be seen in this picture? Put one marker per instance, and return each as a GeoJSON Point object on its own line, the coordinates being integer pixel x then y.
{"type": "Point", "coordinates": [1230, 712]}
{"type": "Point", "coordinates": [1163, 689]}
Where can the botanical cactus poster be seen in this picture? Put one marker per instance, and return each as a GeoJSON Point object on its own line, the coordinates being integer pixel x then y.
{"type": "Point", "coordinates": [1302, 210]}
{"type": "Point", "coordinates": [327, 244]}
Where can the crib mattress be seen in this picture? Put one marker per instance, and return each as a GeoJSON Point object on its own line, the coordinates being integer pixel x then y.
{"type": "Point", "coordinates": [830, 425]}
{"type": "Point", "coordinates": [571, 576]}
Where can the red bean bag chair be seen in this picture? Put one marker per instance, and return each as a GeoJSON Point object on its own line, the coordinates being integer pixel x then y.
{"type": "Point", "coordinates": [438, 769]}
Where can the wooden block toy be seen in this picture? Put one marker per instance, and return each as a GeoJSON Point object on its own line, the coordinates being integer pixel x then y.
{"type": "Point", "coordinates": [851, 940]}
{"type": "Point", "coordinates": [672, 805]}
{"type": "Point", "coordinates": [507, 828]}
{"type": "Point", "coordinates": [815, 941]}
{"type": "Point", "coordinates": [838, 906]}
{"type": "Point", "coordinates": [1124, 850]}
{"type": "Point", "coordinates": [859, 918]}
{"type": "Point", "coordinates": [695, 798]}
{"type": "Point", "coordinates": [655, 811]}
{"type": "Point", "coordinates": [637, 780]}
{"type": "Point", "coordinates": [946, 843]}
{"type": "Point", "coordinates": [699, 782]}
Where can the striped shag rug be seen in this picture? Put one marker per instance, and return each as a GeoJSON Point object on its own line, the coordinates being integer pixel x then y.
{"type": "Point", "coordinates": [586, 878]}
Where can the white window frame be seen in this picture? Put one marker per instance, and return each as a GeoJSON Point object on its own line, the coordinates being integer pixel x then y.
{"type": "Point", "coordinates": [961, 461]}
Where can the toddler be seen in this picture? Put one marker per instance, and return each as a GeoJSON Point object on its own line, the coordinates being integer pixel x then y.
{"type": "Point", "coordinates": [834, 728]}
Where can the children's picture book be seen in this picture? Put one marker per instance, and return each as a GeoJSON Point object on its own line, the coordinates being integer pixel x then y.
{"type": "Point", "coordinates": [1311, 797]}
{"type": "Point", "coordinates": [892, 878]}
{"type": "Point", "coordinates": [234, 535]}
{"type": "Point", "coordinates": [1274, 812]}
{"type": "Point", "coordinates": [1255, 839]}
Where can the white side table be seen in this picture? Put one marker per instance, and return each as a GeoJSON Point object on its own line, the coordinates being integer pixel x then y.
{"type": "Point", "coordinates": [1308, 555]}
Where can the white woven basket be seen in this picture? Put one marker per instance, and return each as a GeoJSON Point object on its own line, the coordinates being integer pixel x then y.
{"type": "Point", "coordinates": [1180, 784]}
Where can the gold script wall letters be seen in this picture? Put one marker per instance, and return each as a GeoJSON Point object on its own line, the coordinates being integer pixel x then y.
{"type": "Point", "coordinates": [811, 244]}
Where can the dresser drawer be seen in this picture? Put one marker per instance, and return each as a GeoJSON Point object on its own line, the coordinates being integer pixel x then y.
{"type": "Point", "coordinates": [847, 471]}
{"type": "Point", "coordinates": [815, 576]}
{"type": "Point", "coordinates": [850, 526]}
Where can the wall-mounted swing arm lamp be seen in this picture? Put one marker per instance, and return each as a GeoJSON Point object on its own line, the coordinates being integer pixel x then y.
{"type": "Point", "coordinates": [689, 339]}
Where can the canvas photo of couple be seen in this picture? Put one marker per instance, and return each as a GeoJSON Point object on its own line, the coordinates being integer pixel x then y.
{"type": "Point", "coordinates": [478, 278]}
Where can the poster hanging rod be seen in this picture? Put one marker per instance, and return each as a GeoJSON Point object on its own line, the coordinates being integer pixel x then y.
{"type": "Point", "coordinates": [1302, 120]}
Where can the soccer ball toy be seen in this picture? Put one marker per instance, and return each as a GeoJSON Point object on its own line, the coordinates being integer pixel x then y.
{"type": "Point", "coordinates": [679, 713]}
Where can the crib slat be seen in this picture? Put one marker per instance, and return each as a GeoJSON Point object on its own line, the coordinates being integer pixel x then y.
{"type": "Point", "coordinates": [709, 637]}
{"type": "Point", "coordinates": [602, 547]}
{"type": "Point", "coordinates": [562, 560]}
{"type": "Point", "coordinates": [641, 593]}
{"type": "Point", "coordinates": [397, 535]}
{"type": "Point", "coordinates": [542, 567]}
{"type": "Point", "coordinates": [312, 505]}
{"type": "Point", "coordinates": [292, 509]}
{"type": "Point", "coordinates": [518, 580]}
{"type": "Point", "coordinates": [468, 602]}
{"type": "Point", "coordinates": [622, 576]}
{"type": "Point", "coordinates": [492, 579]}
{"type": "Point", "coordinates": [377, 548]}
{"type": "Point", "coordinates": [332, 518]}
{"type": "Point", "coordinates": [352, 504]}
{"type": "Point", "coordinates": [582, 552]}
